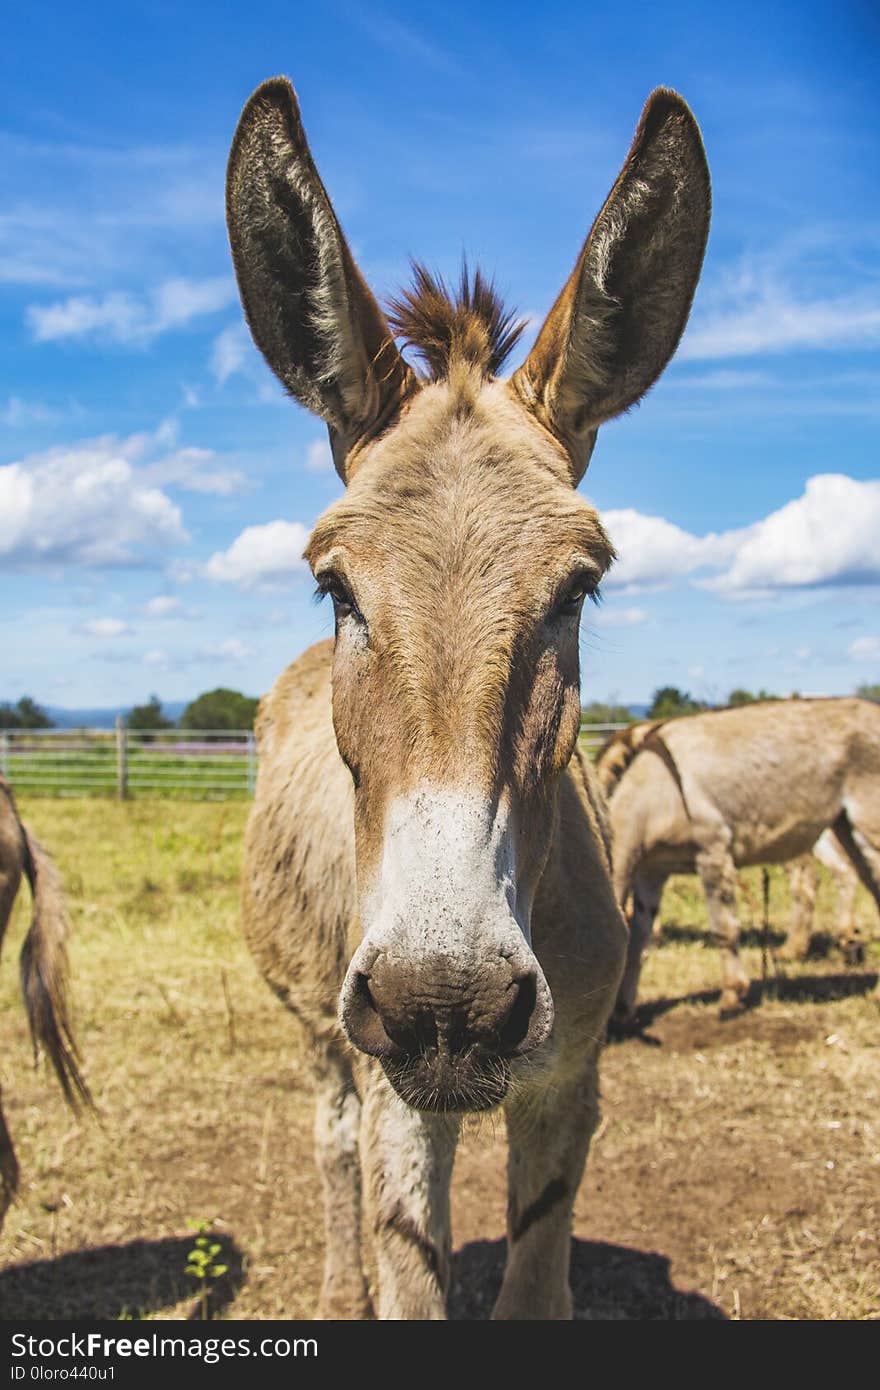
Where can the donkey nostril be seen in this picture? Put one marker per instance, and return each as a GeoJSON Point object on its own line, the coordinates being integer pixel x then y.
{"type": "Point", "coordinates": [362, 994]}
{"type": "Point", "coordinates": [377, 1027]}
{"type": "Point", "coordinates": [363, 1020]}
{"type": "Point", "coordinates": [515, 1027]}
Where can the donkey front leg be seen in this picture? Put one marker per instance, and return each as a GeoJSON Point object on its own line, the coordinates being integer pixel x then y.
{"type": "Point", "coordinates": [549, 1131]}
{"type": "Point", "coordinates": [407, 1157]}
{"type": "Point", "coordinates": [337, 1123]}
{"type": "Point", "coordinates": [718, 876]}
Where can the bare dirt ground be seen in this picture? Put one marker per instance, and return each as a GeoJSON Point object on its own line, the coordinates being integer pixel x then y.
{"type": "Point", "coordinates": [736, 1172]}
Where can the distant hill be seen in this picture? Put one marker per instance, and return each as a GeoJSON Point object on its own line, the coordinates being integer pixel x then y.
{"type": "Point", "coordinates": [104, 718]}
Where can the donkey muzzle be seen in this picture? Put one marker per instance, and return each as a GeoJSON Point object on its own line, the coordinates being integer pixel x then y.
{"type": "Point", "coordinates": [445, 1033]}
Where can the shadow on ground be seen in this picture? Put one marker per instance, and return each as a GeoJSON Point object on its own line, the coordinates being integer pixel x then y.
{"type": "Point", "coordinates": [108, 1282]}
{"type": "Point", "coordinates": [802, 989]}
{"type": "Point", "coordinates": [673, 934]}
{"type": "Point", "coordinates": [609, 1282]}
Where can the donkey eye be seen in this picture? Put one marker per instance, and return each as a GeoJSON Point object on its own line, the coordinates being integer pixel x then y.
{"type": "Point", "coordinates": [332, 584]}
{"type": "Point", "coordinates": [580, 586]}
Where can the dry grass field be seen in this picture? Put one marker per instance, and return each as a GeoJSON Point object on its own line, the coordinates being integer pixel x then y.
{"type": "Point", "coordinates": [736, 1173]}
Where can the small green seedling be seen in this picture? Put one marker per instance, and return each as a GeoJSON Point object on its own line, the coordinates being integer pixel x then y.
{"type": "Point", "coordinates": [202, 1262]}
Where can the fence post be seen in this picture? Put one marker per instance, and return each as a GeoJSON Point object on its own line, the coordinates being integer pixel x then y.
{"type": "Point", "coordinates": [251, 762]}
{"type": "Point", "coordinates": [4, 754]}
{"type": "Point", "coordinates": [121, 758]}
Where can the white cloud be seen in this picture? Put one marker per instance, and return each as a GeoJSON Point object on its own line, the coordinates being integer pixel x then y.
{"type": "Point", "coordinates": [189, 468]}
{"type": "Point", "coordinates": [724, 379]}
{"type": "Point", "coordinates": [86, 504]}
{"type": "Point", "coordinates": [233, 354]}
{"type": "Point", "coordinates": [230, 649]}
{"type": "Point", "coordinates": [119, 316]}
{"type": "Point", "coordinates": [652, 551]}
{"type": "Point", "coordinates": [828, 535]}
{"type": "Point", "coordinates": [755, 309]}
{"type": "Point", "coordinates": [230, 351]}
{"type": "Point", "coordinates": [269, 389]}
{"type": "Point", "coordinates": [865, 649]}
{"type": "Point", "coordinates": [178, 301]}
{"type": "Point", "coordinates": [619, 617]}
{"type": "Point", "coordinates": [404, 41]}
{"type": "Point", "coordinates": [774, 323]}
{"type": "Point", "coordinates": [262, 556]}
{"type": "Point", "coordinates": [157, 657]}
{"type": "Point", "coordinates": [163, 606]}
{"type": "Point", "coordinates": [122, 317]}
{"type": "Point", "coordinates": [18, 413]}
{"type": "Point", "coordinates": [82, 211]}
{"type": "Point", "coordinates": [105, 627]}
{"type": "Point", "coordinates": [17, 501]}
{"type": "Point", "coordinates": [319, 458]}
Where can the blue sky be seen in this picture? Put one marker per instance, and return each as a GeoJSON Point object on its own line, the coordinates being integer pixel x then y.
{"type": "Point", "coordinates": [155, 485]}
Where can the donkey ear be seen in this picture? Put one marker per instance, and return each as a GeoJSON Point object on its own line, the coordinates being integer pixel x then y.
{"type": "Point", "coordinates": [309, 309]}
{"type": "Point", "coordinates": [618, 320]}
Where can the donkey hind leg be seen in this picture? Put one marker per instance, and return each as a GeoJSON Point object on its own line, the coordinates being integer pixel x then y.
{"type": "Point", "coordinates": [718, 876]}
{"type": "Point", "coordinates": [803, 881]}
{"type": "Point", "coordinates": [337, 1123]}
{"type": "Point", "coordinates": [647, 892]}
{"type": "Point", "coordinates": [407, 1156]}
{"type": "Point", "coordinates": [8, 1167]}
{"type": "Point", "coordinates": [847, 931]}
{"type": "Point", "coordinates": [548, 1132]}
{"type": "Point", "coordinates": [858, 833]}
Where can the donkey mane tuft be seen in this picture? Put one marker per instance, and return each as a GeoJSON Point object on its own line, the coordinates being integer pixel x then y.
{"type": "Point", "coordinates": [467, 323]}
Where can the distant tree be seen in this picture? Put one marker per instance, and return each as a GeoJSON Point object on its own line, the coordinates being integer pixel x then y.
{"type": "Point", "coordinates": [220, 709]}
{"type": "Point", "coordinates": [26, 714]}
{"type": "Point", "coordinates": [669, 703]}
{"type": "Point", "coordinates": [598, 712]}
{"type": "Point", "coordinates": [869, 692]}
{"type": "Point", "coordinates": [149, 716]}
{"type": "Point", "coordinates": [745, 697]}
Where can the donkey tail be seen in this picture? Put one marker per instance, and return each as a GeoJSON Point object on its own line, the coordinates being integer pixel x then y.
{"type": "Point", "coordinates": [619, 751]}
{"type": "Point", "coordinates": [43, 968]}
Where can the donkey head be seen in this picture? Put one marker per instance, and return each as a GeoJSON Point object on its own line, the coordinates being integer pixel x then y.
{"type": "Point", "coordinates": [457, 562]}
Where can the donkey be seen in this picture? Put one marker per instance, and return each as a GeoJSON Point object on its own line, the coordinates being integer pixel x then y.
{"type": "Point", "coordinates": [617, 753]}
{"type": "Point", "coordinates": [43, 969]}
{"type": "Point", "coordinates": [427, 879]}
{"type": "Point", "coordinates": [712, 792]}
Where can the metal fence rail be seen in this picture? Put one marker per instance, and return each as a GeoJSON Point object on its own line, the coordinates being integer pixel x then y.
{"type": "Point", "coordinates": [594, 736]}
{"type": "Point", "coordinates": [211, 764]}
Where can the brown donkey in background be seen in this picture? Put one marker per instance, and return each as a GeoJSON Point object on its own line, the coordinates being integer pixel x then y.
{"type": "Point", "coordinates": [615, 756]}
{"type": "Point", "coordinates": [427, 881]}
{"type": "Point", "coordinates": [710, 793]}
{"type": "Point", "coordinates": [43, 967]}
